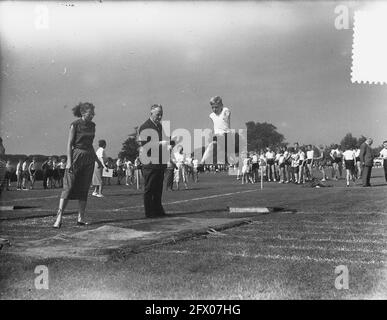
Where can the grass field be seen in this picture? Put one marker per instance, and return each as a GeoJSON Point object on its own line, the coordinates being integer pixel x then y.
{"type": "Point", "coordinates": [282, 255]}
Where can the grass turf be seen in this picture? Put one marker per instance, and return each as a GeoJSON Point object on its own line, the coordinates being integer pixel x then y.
{"type": "Point", "coordinates": [279, 256]}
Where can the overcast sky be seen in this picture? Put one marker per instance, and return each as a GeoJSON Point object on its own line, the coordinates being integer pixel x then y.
{"type": "Point", "coordinates": [279, 62]}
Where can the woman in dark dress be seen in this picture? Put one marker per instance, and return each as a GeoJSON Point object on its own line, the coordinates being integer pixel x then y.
{"type": "Point", "coordinates": [80, 162]}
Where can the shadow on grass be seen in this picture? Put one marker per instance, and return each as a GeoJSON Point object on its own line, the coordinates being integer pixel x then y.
{"type": "Point", "coordinates": [190, 189]}
{"type": "Point", "coordinates": [125, 194]}
{"type": "Point", "coordinates": [186, 214]}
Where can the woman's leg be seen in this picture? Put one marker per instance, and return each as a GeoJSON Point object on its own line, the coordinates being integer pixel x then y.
{"type": "Point", "coordinates": [348, 176]}
{"type": "Point", "coordinates": [62, 207]}
{"type": "Point", "coordinates": [81, 210]}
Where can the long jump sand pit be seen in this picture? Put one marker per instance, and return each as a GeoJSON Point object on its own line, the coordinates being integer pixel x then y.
{"type": "Point", "coordinates": [112, 240]}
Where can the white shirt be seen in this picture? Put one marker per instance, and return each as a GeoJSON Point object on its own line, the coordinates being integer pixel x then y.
{"type": "Point", "coordinates": [262, 160]}
{"type": "Point", "coordinates": [179, 158]}
{"type": "Point", "coordinates": [383, 153]}
{"type": "Point", "coordinates": [301, 155]}
{"type": "Point", "coordinates": [357, 153]}
{"type": "Point", "coordinates": [246, 162]}
{"type": "Point", "coordinates": [349, 155]}
{"type": "Point", "coordinates": [295, 157]}
{"type": "Point", "coordinates": [222, 121]}
{"type": "Point", "coordinates": [188, 161]}
{"type": "Point", "coordinates": [101, 154]}
{"type": "Point", "coordinates": [310, 154]}
{"type": "Point", "coordinates": [24, 166]}
{"type": "Point", "coordinates": [128, 164]}
{"type": "Point", "coordinates": [255, 158]}
{"type": "Point", "coordinates": [270, 155]}
{"type": "Point", "coordinates": [195, 163]}
{"type": "Point", "coordinates": [336, 153]}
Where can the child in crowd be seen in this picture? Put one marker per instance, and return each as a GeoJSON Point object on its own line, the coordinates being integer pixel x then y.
{"type": "Point", "coordinates": [349, 159]}
{"type": "Point", "coordinates": [32, 172]}
{"type": "Point", "coordinates": [25, 174]}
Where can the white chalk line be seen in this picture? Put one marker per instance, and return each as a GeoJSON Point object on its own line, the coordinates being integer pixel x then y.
{"type": "Point", "coordinates": [310, 230]}
{"type": "Point", "coordinates": [25, 199]}
{"type": "Point", "coordinates": [318, 248]}
{"type": "Point", "coordinates": [327, 223]}
{"type": "Point", "coordinates": [192, 199]}
{"type": "Point", "coordinates": [142, 206]}
{"type": "Point", "coordinates": [281, 238]}
{"type": "Point", "coordinates": [307, 233]}
{"type": "Point", "coordinates": [339, 213]}
{"type": "Point", "coordinates": [278, 257]}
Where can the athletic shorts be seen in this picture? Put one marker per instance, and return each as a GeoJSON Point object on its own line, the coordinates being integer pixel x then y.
{"type": "Point", "coordinates": [338, 160]}
{"type": "Point", "coordinates": [349, 164]}
{"type": "Point", "coordinates": [309, 161]}
{"type": "Point", "coordinates": [254, 166]}
{"type": "Point", "coordinates": [357, 159]}
{"type": "Point", "coordinates": [300, 163]}
{"type": "Point", "coordinates": [270, 162]}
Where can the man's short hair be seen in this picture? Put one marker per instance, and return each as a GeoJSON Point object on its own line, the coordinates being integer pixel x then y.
{"type": "Point", "coordinates": [217, 100]}
{"type": "Point", "coordinates": [385, 141]}
{"type": "Point", "coordinates": [155, 106]}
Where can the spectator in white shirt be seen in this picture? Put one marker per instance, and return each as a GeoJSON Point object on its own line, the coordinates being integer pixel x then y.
{"type": "Point", "coordinates": [309, 161]}
{"type": "Point", "coordinates": [180, 173]}
{"type": "Point", "coordinates": [25, 174]}
{"type": "Point", "coordinates": [358, 163]}
{"type": "Point", "coordinates": [349, 159]}
{"type": "Point", "coordinates": [19, 174]}
{"type": "Point", "coordinates": [383, 154]}
{"type": "Point", "coordinates": [337, 159]}
{"type": "Point", "coordinates": [301, 165]}
{"type": "Point", "coordinates": [270, 161]}
{"type": "Point", "coordinates": [97, 175]}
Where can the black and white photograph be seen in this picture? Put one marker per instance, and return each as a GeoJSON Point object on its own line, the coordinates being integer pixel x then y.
{"type": "Point", "coordinates": [212, 151]}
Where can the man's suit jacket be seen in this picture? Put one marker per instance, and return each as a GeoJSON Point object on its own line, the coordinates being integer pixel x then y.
{"type": "Point", "coordinates": [149, 124]}
{"type": "Point", "coordinates": [366, 156]}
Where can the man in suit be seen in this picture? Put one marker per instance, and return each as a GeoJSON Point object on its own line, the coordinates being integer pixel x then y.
{"type": "Point", "coordinates": [367, 161]}
{"type": "Point", "coordinates": [150, 136]}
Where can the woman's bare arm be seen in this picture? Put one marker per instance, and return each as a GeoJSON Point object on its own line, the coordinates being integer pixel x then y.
{"type": "Point", "coordinates": [70, 143]}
